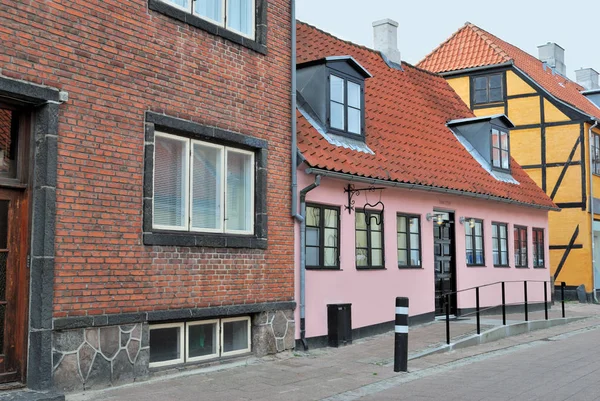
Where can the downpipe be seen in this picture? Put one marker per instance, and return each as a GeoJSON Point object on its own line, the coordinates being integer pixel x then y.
{"type": "Point", "coordinates": [294, 127]}
{"type": "Point", "coordinates": [592, 212]}
{"type": "Point", "coordinates": [303, 193]}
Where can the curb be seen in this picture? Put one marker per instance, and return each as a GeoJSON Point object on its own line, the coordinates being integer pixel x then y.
{"type": "Point", "coordinates": [497, 333]}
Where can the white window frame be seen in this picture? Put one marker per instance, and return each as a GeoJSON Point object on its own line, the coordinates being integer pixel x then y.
{"type": "Point", "coordinates": [225, 12]}
{"type": "Point", "coordinates": [189, 188]}
{"type": "Point", "coordinates": [186, 217]}
{"type": "Point", "coordinates": [181, 358]}
{"type": "Point", "coordinates": [241, 351]}
{"type": "Point", "coordinates": [217, 339]}
{"type": "Point", "coordinates": [224, 208]}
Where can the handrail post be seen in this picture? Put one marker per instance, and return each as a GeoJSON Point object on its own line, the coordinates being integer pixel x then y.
{"type": "Point", "coordinates": [447, 304]}
{"type": "Point", "coordinates": [477, 310]}
{"type": "Point", "coordinates": [525, 304]}
{"type": "Point", "coordinates": [562, 293]}
{"type": "Point", "coordinates": [545, 300]}
{"type": "Point", "coordinates": [503, 305]}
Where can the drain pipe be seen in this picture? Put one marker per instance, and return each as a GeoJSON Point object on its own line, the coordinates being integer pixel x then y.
{"type": "Point", "coordinates": [294, 126]}
{"type": "Point", "coordinates": [590, 141]}
{"type": "Point", "coordinates": [303, 260]}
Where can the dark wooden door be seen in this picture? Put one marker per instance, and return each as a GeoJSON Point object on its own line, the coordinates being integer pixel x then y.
{"type": "Point", "coordinates": [445, 270]}
{"type": "Point", "coordinates": [13, 284]}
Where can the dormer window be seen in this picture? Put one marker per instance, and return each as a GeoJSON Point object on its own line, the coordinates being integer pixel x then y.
{"type": "Point", "coordinates": [500, 149]}
{"type": "Point", "coordinates": [345, 105]}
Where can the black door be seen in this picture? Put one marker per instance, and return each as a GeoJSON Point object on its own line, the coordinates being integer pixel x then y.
{"type": "Point", "coordinates": [445, 267]}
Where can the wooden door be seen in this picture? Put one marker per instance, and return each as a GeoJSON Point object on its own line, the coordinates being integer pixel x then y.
{"type": "Point", "coordinates": [445, 267]}
{"type": "Point", "coordinates": [13, 284]}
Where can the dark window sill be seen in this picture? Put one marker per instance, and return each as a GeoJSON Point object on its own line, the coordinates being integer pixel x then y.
{"type": "Point", "coordinates": [496, 103]}
{"type": "Point", "coordinates": [539, 267]}
{"type": "Point", "coordinates": [328, 268]}
{"type": "Point", "coordinates": [183, 16]}
{"type": "Point", "coordinates": [370, 268]}
{"type": "Point", "coordinates": [476, 265]}
{"type": "Point", "coordinates": [345, 134]}
{"type": "Point", "coordinates": [522, 267]}
{"type": "Point", "coordinates": [410, 267]}
{"type": "Point", "coordinates": [502, 266]}
{"type": "Point", "coordinates": [204, 240]}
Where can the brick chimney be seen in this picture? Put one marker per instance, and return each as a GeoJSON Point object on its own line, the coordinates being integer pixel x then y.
{"type": "Point", "coordinates": [385, 38]}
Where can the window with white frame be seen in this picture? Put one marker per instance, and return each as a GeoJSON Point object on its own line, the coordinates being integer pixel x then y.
{"type": "Point", "coordinates": [235, 15]}
{"type": "Point", "coordinates": [175, 343]}
{"type": "Point", "coordinates": [345, 105]}
{"type": "Point", "coordinates": [202, 187]}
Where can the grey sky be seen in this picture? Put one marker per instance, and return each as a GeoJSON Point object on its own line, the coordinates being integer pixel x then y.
{"type": "Point", "coordinates": [425, 24]}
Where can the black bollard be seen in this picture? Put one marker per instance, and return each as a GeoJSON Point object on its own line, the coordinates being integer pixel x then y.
{"type": "Point", "coordinates": [401, 340]}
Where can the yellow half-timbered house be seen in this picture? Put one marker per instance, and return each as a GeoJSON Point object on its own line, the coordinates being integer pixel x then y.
{"type": "Point", "coordinates": [554, 121]}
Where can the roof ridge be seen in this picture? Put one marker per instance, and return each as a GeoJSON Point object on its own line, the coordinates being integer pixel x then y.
{"type": "Point", "coordinates": [485, 35]}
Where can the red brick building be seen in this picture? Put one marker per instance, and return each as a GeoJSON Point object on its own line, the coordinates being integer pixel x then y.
{"type": "Point", "coordinates": [149, 140]}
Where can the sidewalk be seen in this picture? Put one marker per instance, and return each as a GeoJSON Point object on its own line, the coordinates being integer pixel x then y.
{"type": "Point", "coordinates": [327, 372]}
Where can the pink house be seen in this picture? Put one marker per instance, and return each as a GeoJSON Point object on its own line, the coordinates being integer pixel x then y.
{"type": "Point", "coordinates": [404, 192]}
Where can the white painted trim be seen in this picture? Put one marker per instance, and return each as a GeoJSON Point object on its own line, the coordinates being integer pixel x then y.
{"type": "Point", "coordinates": [172, 4]}
{"type": "Point", "coordinates": [253, 24]}
{"type": "Point", "coordinates": [217, 337]}
{"type": "Point", "coordinates": [401, 329]}
{"type": "Point", "coordinates": [212, 21]}
{"type": "Point", "coordinates": [181, 358]}
{"type": "Point", "coordinates": [249, 331]}
{"type": "Point", "coordinates": [223, 173]}
{"type": "Point", "coordinates": [252, 194]}
{"type": "Point", "coordinates": [401, 310]}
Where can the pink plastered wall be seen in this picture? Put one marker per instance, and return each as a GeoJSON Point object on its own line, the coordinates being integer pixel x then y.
{"type": "Point", "coordinates": [372, 293]}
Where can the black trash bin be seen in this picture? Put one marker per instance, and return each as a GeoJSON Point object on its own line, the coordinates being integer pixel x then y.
{"type": "Point", "coordinates": [339, 324]}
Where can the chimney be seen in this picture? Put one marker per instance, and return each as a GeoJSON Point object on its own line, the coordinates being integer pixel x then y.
{"type": "Point", "coordinates": [554, 56]}
{"type": "Point", "coordinates": [588, 78]}
{"type": "Point", "coordinates": [385, 38]}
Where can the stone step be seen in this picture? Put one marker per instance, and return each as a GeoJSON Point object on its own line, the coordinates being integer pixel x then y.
{"type": "Point", "coordinates": [28, 395]}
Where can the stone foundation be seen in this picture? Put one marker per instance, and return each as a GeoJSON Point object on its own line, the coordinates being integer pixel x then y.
{"type": "Point", "coordinates": [92, 358]}
{"type": "Point", "coordinates": [273, 332]}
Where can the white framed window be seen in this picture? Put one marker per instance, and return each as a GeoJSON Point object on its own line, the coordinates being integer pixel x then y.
{"type": "Point", "coordinates": [202, 340]}
{"type": "Point", "coordinates": [234, 15]}
{"type": "Point", "coordinates": [177, 343]}
{"type": "Point", "coordinates": [166, 344]}
{"type": "Point", "coordinates": [235, 336]}
{"type": "Point", "coordinates": [202, 187]}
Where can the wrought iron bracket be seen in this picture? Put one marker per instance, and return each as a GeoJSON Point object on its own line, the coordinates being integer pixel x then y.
{"type": "Point", "coordinates": [352, 191]}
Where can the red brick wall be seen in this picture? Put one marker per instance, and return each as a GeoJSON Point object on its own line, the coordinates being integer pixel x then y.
{"type": "Point", "coordinates": [118, 59]}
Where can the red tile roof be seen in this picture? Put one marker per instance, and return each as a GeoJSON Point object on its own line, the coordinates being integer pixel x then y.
{"type": "Point", "coordinates": [406, 116]}
{"type": "Point", "coordinates": [471, 47]}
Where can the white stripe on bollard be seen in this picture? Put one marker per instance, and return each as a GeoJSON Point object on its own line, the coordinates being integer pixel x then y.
{"type": "Point", "coordinates": [401, 310]}
{"type": "Point", "coordinates": [401, 329]}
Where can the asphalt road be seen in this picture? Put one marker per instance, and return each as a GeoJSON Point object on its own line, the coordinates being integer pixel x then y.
{"type": "Point", "coordinates": [565, 367]}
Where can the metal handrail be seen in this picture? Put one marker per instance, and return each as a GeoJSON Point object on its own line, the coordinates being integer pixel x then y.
{"type": "Point", "coordinates": [446, 297]}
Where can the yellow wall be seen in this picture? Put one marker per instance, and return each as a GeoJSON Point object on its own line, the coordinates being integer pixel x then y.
{"type": "Point", "coordinates": [526, 149]}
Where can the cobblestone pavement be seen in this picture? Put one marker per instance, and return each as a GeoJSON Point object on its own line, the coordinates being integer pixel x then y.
{"type": "Point", "coordinates": [361, 369]}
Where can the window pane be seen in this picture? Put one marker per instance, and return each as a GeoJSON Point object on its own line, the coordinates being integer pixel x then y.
{"type": "Point", "coordinates": [504, 140]}
{"type": "Point", "coordinates": [479, 257]}
{"type": "Point", "coordinates": [505, 159]}
{"type": "Point", "coordinates": [481, 96]}
{"type": "Point", "coordinates": [503, 244]}
{"type": "Point", "coordinates": [337, 115]}
{"type": "Point", "coordinates": [414, 241]}
{"type": "Point", "coordinates": [240, 15]}
{"type": "Point", "coordinates": [313, 216]}
{"type": "Point", "coordinates": [502, 231]}
{"type": "Point", "coordinates": [210, 9]}
{"type": "Point", "coordinates": [376, 257]}
{"type": "Point", "coordinates": [9, 135]}
{"type": "Point", "coordinates": [164, 344]}
{"type": "Point", "coordinates": [312, 236]}
{"type": "Point", "coordinates": [331, 218]}
{"type": "Point", "coordinates": [496, 157]}
{"type": "Point", "coordinates": [496, 258]}
{"type": "Point", "coordinates": [504, 258]}
{"type": "Point", "coordinates": [361, 257]}
{"type": "Point", "coordinates": [494, 244]}
{"type": "Point", "coordinates": [206, 187]}
{"type": "Point", "coordinates": [468, 229]}
{"type": "Point", "coordinates": [202, 340]}
{"type": "Point", "coordinates": [496, 81]}
{"type": "Point", "coordinates": [402, 258]}
{"type": "Point", "coordinates": [239, 191]}
{"type": "Point", "coordinates": [478, 228]}
{"type": "Point", "coordinates": [361, 239]}
{"type": "Point", "coordinates": [331, 237]}
{"type": "Point", "coordinates": [478, 243]}
{"type": "Point", "coordinates": [354, 95]}
{"type": "Point", "coordinates": [181, 3]}
{"type": "Point", "coordinates": [414, 225]}
{"type": "Point", "coordinates": [235, 336]}
{"type": "Point", "coordinates": [330, 256]}
{"type": "Point", "coordinates": [415, 259]}
{"type": "Point", "coordinates": [312, 256]}
{"type": "Point", "coordinates": [170, 182]}
{"type": "Point", "coordinates": [375, 220]}
{"type": "Point", "coordinates": [401, 221]}
{"type": "Point", "coordinates": [336, 89]}
{"type": "Point", "coordinates": [402, 241]}
{"type": "Point", "coordinates": [360, 220]}
{"type": "Point", "coordinates": [481, 83]}
{"type": "Point", "coordinates": [470, 257]}
{"type": "Point", "coordinates": [496, 95]}
{"type": "Point", "coordinates": [376, 239]}
{"type": "Point", "coordinates": [353, 120]}
{"type": "Point", "coordinates": [494, 231]}
{"type": "Point", "coordinates": [495, 138]}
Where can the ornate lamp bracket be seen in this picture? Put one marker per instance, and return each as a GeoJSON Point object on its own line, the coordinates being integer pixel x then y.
{"type": "Point", "coordinates": [352, 191]}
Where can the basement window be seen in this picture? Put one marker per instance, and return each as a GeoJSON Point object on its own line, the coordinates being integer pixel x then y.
{"type": "Point", "coordinates": [186, 342]}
